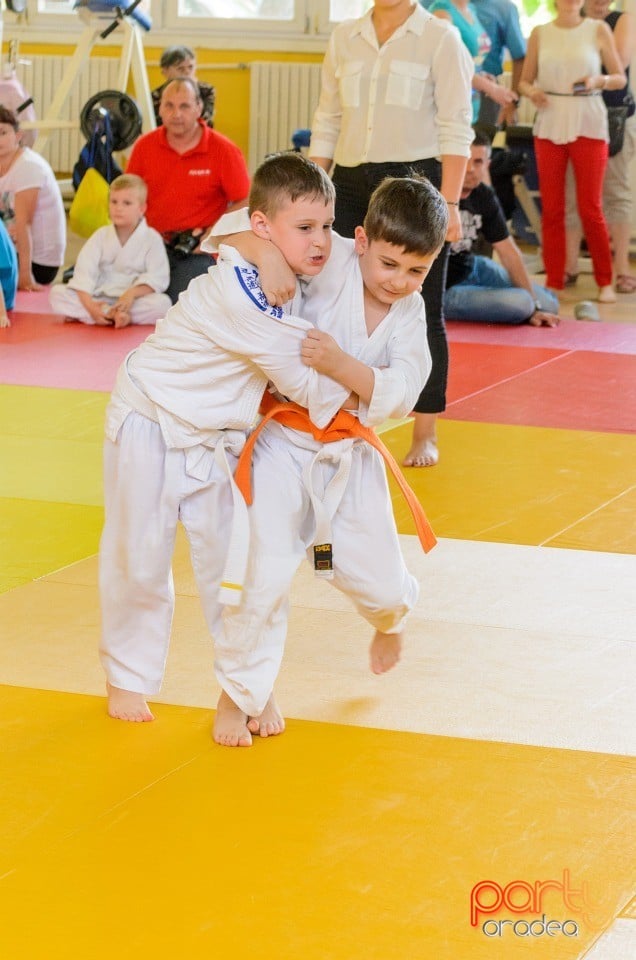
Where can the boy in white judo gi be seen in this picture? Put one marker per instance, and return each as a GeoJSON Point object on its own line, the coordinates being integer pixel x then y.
{"type": "Point", "coordinates": [330, 500]}
{"type": "Point", "coordinates": [122, 270]}
{"type": "Point", "coordinates": [183, 403]}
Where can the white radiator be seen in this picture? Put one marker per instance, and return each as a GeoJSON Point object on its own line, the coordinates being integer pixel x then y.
{"type": "Point", "coordinates": [40, 77]}
{"type": "Point", "coordinates": [283, 97]}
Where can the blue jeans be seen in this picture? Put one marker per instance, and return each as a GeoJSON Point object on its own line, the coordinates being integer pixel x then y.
{"type": "Point", "coordinates": [488, 295]}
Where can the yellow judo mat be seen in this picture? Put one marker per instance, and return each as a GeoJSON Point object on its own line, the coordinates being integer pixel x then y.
{"type": "Point", "coordinates": [478, 802]}
{"type": "Point", "coordinates": [331, 841]}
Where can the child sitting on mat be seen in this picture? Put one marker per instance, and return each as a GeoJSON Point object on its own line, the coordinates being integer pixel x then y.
{"type": "Point", "coordinates": [122, 269]}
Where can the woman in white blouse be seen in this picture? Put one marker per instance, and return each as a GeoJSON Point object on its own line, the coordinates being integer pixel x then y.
{"type": "Point", "coordinates": [396, 99]}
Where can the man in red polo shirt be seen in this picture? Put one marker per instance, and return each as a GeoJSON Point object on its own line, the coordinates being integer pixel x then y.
{"type": "Point", "coordinates": [194, 176]}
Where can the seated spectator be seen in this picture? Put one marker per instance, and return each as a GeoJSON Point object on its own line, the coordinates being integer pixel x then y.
{"type": "Point", "coordinates": [478, 288]}
{"type": "Point", "coordinates": [194, 176]}
{"type": "Point", "coordinates": [31, 207]}
{"type": "Point", "coordinates": [8, 275]}
{"type": "Point", "coordinates": [178, 62]}
{"type": "Point", "coordinates": [122, 269]}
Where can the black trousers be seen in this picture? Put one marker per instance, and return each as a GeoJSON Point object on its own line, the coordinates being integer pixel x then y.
{"type": "Point", "coordinates": [354, 186]}
{"type": "Point", "coordinates": [185, 269]}
{"type": "Point", "coordinates": [43, 274]}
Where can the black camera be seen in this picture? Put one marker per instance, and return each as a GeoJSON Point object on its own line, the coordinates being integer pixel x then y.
{"type": "Point", "coordinates": [183, 243]}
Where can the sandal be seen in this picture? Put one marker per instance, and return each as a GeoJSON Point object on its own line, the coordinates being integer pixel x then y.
{"type": "Point", "coordinates": [570, 279]}
{"type": "Point", "coordinates": [625, 283]}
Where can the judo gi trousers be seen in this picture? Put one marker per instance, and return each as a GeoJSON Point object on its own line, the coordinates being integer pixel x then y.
{"type": "Point", "coordinates": [368, 565]}
{"type": "Point", "coordinates": [148, 490]}
{"type": "Point", "coordinates": [147, 309]}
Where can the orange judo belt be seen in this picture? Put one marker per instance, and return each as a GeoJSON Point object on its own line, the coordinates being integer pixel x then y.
{"type": "Point", "coordinates": [344, 426]}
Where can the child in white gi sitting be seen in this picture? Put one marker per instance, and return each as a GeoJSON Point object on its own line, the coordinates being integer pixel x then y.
{"type": "Point", "coordinates": [330, 500]}
{"type": "Point", "coordinates": [122, 270]}
{"type": "Point", "coordinates": [182, 406]}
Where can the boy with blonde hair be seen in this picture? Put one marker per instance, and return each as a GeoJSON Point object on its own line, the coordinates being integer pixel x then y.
{"type": "Point", "coordinates": [122, 270]}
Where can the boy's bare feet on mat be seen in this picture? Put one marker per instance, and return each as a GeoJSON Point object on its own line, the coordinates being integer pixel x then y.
{"type": "Point", "coordinates": [423, 452]}
{"type": "Point", "coordinates": [230, 724]}
{"type": "Point", "coordinates": [385, 651]}
{"type": "Point", "coordinates": [270, 722]}
{"type": "Point", "coordinates": [127, 705]}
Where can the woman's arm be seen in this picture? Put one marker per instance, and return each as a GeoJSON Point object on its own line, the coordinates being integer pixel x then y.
{"type": "Point", "coordinates": [453, 171]}
{"type": "Point", "coordinates": [625, 39]}
{"type": "Point", "coordinates": [25, 203]}
{"type": "Point", "coordinates": [483, 83]}
{"type": "Point", "coordinates": [615, 78]}
{"type": "Point", "coordinates": [327, 119]}
{"type": "Point", "coordinates": [527, 86]}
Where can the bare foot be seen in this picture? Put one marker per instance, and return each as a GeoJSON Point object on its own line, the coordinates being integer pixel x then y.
{"type": "Point", "coordinates": [126, 705]}
{"type": "Point", "coordinates": [423, 452]}
{"type": "Point", "coordinates": [385, 651]}
{"type": "Point", "coordinates": [606, 294]}
{"type": "Point", "coordinates": [230, 724]}
{"type": "Point", "coordinates": [121, 317]}
{"type": "Point", "coordinates": [270, 722]}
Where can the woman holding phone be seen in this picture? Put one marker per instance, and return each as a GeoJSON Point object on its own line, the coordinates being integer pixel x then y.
{"type": "Point", "coordinates": [563, 77]}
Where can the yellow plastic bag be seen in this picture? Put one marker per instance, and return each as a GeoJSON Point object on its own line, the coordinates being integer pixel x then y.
{"type": "Point", "coordinates": [89, 209]}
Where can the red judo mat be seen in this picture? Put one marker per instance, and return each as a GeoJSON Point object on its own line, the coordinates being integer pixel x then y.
{"type": "Point", "coordinates": [41, 350]}
{"type": "Point", "coordinates": [569, 335]}
{"type": "Point", "coordinates": [575, 390]}
{"type": "Point", "coordinates": [517, 375]}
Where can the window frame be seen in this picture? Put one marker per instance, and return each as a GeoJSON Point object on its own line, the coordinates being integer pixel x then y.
{"type": "Point", "coordinates": [307, 32]}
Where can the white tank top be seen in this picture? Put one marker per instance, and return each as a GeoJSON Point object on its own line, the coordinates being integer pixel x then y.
{"type": "Point", "coordinates": [567, 55]}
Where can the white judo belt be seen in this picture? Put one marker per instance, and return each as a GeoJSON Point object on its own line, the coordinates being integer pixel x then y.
{"type": "Point", "coordinates": [325, 501]}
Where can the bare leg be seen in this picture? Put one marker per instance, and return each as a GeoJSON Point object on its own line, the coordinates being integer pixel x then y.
{"type": "Point", "coordinates": [621, 236]}
{"type": "Point", "coordinates": [230, 724]}
{"type": "Point", "coordinates": [127, 705]}
{"type": "Point", "coordinates": [385, 651]}
{"type": "Point", "coordinates": [270, 722]}
{"type": "Point", "coordinates": [423, 452]}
